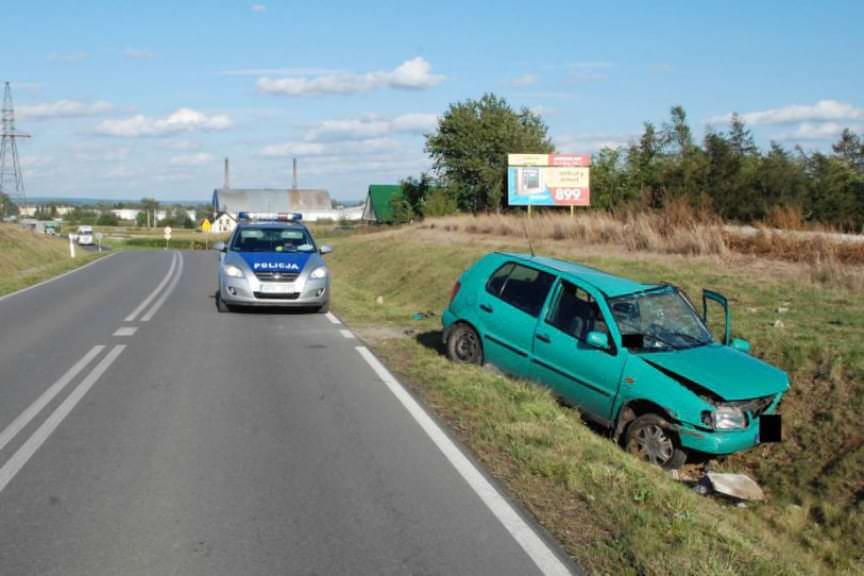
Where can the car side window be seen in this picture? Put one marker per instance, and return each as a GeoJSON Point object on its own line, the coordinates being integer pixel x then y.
{"type": "Point", "coordinates": [496, 282]}
{"type": "Point", "coordinates": [525, 288]}
{"type": "Point", "coordinates": [576, 313]}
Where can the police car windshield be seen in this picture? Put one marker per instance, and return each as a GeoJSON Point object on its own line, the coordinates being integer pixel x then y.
{"type": "Point", "coordinates": [272, 239]}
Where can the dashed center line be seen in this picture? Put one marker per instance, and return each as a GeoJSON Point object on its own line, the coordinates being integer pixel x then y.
{"type": "Point", "coordinates": [126, 331]}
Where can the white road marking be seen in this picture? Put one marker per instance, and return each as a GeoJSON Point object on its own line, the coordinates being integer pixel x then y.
{"type": "Point", "coordinates": [48, 281]}
{"type": "Point", "coordinates": [131, 317]}
{"type": "Point", "coordinates": [545, 559]}
{"type": "Point", "coordinates": [33, 410]}
{"type": "Point", "coordinates": [333, 319]}
{"type": "Point", "coordinates": [126, 331]}
{"type": "Point", "coordinates": [26, 451]}
{"type": "Point", "coordinates": [347, 334]}
{"type": "Point", "coordinates": [146, 317]}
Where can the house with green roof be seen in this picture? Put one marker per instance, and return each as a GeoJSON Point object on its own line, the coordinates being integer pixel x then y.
{"type": "Point", "coordinates": [379, 203]}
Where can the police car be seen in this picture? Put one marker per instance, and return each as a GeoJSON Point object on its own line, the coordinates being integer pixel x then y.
{"type": "Point", "coordinates": [272, 260]}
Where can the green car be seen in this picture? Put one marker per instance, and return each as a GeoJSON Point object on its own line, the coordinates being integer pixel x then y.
{"type": "Point", "coordinates": [636, 358]}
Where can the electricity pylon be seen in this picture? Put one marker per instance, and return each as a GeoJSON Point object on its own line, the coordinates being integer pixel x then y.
{"type": "Point", "coordinates": [11, 177]}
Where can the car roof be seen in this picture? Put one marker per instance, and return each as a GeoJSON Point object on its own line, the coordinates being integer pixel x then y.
{"type": "Point", "coordinates": [609, 284]}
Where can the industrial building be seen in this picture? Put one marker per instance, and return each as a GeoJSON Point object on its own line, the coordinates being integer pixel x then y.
{"type": "Point", "coordinates": [313, 204]}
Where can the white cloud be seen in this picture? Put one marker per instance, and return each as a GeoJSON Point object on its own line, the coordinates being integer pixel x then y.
{"type": "Point", "coordinates": [120, 171]}
{"type": "Point", "coordinates": [822, 111]}
{"type": "Point", "coordinates": [68, 57]}
{"type": "Point", "coordinates": [345, 148]}
{"type": "Point", "coordinates": [29, 162]}
{"type": "Point", "coordinates": [524, 80]}
{"type": "Point", "coordinates": [63, 109]}
{"type": "Point", "coordinates": [259, 8]}
{"type": "Point", "coordinates": [814, 131]}
{"type": "Point", "coordinates": [414, 74]}
{"type": "Point", "coordinates": [137, 54]}
{"type": "Point", "coordinates": [543, 110]}
{"type": "Point", "coordinates": [585, 143]}
{"type": "Point", "coordinates": [182, 120]}
{"type": "Point", "coordinates": [372, 127]}
{"type": "Point", "coordinates": [279, 72]}
{"type": "Point", "coordinates": [199, 159]}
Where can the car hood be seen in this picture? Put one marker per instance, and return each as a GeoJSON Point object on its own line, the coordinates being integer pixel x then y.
{"type": "Point", "coordinates": [728, 373]}
{"type": "Point", "coordinates": [288, 262]}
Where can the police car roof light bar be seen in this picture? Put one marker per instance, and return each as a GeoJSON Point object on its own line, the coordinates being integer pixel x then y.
{"type": "Point", "coordinates": [269, 216]}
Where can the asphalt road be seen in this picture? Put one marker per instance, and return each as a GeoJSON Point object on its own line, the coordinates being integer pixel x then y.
{"type": "Point", "coordinates": [142, 432]}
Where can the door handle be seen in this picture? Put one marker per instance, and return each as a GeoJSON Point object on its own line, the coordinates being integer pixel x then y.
{"type": "Point", "coordinates": [543, 338]}
{"type": "Point", "coordinates": [486, 308]}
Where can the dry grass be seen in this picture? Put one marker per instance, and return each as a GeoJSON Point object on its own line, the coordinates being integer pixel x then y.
{"type": "Point", "coordinates": [829, 259]}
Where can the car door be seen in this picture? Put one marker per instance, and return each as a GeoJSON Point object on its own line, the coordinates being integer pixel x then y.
{"type": "Point", "coordinates": [509, 308]}
{"type": "Point", "coordinates": [581, 374]}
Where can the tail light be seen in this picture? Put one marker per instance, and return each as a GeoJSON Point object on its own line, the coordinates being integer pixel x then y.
{"type": "Point", "coordinates": [455, 290]}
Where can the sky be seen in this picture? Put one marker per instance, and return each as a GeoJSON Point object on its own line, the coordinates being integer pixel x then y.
{"type": "Point", "coordinates": [131, 99]}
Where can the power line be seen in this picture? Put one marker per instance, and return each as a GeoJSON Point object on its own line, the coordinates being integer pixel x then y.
{"type": "Point", "coordinates": [11, 177]}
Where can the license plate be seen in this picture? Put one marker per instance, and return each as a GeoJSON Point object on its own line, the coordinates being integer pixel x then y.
{"type": "Point", "coordinates": [276, 288]}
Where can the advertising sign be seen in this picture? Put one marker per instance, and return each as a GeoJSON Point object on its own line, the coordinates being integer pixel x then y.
{"type": "Point", "coordinates": [548, 180]}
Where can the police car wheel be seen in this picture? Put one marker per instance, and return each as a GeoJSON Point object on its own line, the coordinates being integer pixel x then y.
{"type": "Point", "coordinates": [221, 306]}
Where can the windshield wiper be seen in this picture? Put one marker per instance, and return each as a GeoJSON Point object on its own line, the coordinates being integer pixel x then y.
{"type": "Point", "coordinates": [693, 339]}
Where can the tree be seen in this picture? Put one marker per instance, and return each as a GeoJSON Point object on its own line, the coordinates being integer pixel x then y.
{"type": "Point", "coordinates": [151, 208]}
{"type": "Point", "coordinates": [850, 149]}
{"type": "Point", "coordinates": [7, 207]}
{"type": "Point", "coordinates": [107, 218]}
{"type": "Point", "coordinates": [469, 149]}
{"type": "Point", "coordinates": [610, 185]}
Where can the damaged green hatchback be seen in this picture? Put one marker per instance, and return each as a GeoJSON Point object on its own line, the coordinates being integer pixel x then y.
{"type": "Point", "coordinates": [636, 358]}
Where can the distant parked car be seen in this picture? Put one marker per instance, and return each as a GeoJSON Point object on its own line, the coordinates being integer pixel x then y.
{"type": "Point", "coordinates": [636, 358]}
{"type": "Point", "coordinates": [85, 235]}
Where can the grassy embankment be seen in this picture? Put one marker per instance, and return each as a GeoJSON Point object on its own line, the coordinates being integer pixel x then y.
{"type": "Point", "coordinates": [613, 514]}
{"type": "Point", "coordinates": [27, 258]}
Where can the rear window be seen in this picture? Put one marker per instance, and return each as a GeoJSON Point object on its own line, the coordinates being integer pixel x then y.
{"type": "Point", "coordinates": [520, 286]}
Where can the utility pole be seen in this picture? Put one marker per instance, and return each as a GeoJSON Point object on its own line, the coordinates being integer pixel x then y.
{"type": "Point", "coordinates": [11, 177]}
{"type": "Point", "coordinates": [294, 175]}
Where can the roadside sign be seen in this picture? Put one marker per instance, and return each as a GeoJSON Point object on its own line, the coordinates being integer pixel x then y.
{"type": "Point", "coordinates": [548, 180]}
{"type": "Point", "coordinates": [167, 233]}
{"type": "Point", "coordinates": [99, 237]}
{"type": "Point", "coordinates": [205, 225]}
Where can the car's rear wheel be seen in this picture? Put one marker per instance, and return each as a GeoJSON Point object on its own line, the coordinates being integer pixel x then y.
{"type": "Point", "coordinates": [221, 306]}
{"type": "Point", "coordinates": [464, 346]}
{"type": "Point", "coordinates": [649, 438]}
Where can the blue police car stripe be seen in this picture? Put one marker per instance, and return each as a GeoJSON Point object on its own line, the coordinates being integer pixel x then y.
{"type": "Point", "coordinates": [276, 261]}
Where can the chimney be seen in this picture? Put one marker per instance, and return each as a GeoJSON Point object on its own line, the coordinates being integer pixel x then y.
{"type": "Point", "coordinates": [227, 184]}
{"type": "Point", "coordinates": [294, 175]}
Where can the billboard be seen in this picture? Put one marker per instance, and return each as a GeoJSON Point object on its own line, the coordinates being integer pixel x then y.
{"type": "Point", "coordinates": [548, 180]}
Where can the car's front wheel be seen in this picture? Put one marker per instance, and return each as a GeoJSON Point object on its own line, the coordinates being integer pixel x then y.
{"type": "Point", "coordinates": [221, 306]}
{"type": "Point", "coordinates": [649, 438]}
{"type": "Point", "coordinates": [324, 308]}
{"type": "Point", "coordinates": [464, 346]}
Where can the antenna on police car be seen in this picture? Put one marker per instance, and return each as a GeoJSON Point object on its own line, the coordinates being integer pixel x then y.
{"type": "Point", "coordinates": [527, 237]}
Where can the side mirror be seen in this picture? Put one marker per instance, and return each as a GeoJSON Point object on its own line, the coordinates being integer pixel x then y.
{"type": "Point", "coordinates": [325, 249]}
{"type": "Point", "coordinates": [741, 345]}
{"type": "Point", "coordinates": [219, 246]}
{"type": "Point", "coordinates": [597, 340]}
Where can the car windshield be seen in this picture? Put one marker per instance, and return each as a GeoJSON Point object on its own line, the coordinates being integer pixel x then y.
{"type": "Point", "coordinates": [270, 239]}
{"type": "Point", "coordinates": [658, 320]}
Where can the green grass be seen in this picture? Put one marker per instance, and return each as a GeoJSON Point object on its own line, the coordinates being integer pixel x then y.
{"type": "Point", "coordinates": [27, 258]}
{"type": "Point", "coordinates": [613, 514]}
